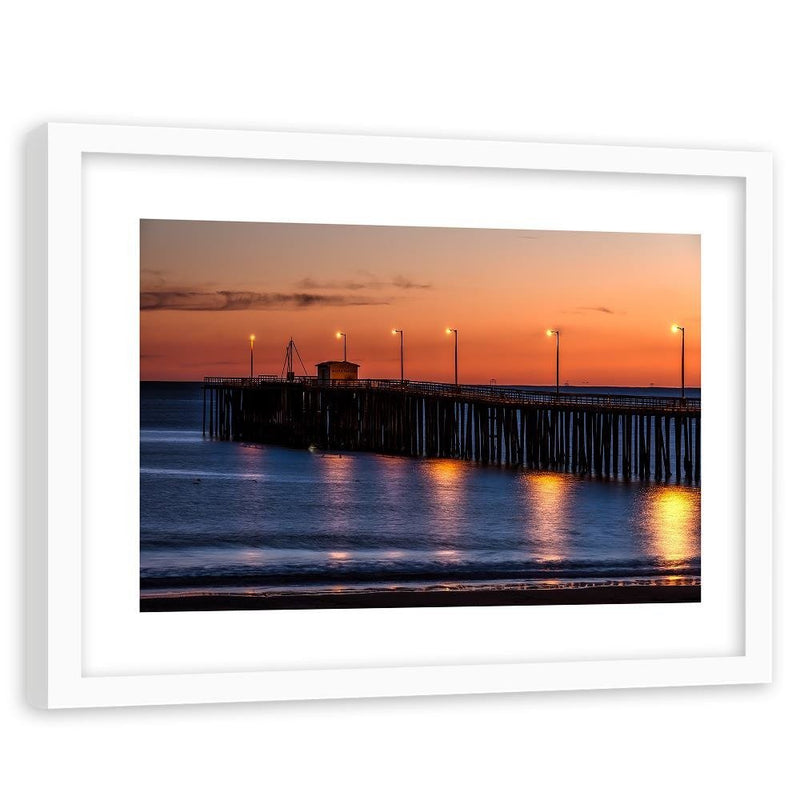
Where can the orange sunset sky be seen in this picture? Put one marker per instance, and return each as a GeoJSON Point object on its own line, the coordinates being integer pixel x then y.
{"type": "Point", "coordinates": [207, 286]}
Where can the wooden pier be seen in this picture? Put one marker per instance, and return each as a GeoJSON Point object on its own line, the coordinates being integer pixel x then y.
{"type": "Point", "coordinates": [623, 436]}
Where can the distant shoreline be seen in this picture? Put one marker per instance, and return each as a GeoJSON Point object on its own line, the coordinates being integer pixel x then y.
{"type": "Point", "coordinates": [592, 595]}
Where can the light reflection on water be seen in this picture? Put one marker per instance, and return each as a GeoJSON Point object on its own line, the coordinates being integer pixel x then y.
{"type": "Point", "coordinates": [670, 515]}
{"type": "Point", "coordinates": [446, 480]}
{"type": "Point", "coordinates": [336, 474]}
{"type": "Point", "coordinates": [548, 497]}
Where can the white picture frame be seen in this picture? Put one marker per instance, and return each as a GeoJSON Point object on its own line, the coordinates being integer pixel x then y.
{"type": "Point", "coordinates": [66, 568]}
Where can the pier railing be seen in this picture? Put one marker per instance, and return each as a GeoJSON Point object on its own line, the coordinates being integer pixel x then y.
{"type": "Point", "coordinates": [496, 394]}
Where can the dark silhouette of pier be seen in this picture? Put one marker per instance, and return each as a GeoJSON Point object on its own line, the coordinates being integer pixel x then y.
{"type": "Point", "coordinates": [625, 436]}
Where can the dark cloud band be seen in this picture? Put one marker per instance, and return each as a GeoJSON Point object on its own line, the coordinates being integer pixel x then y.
{"type": "Point", "coordinates": [398, 282]}
{"type": "Point", "coordinates": [246, 301]}
{"type": "Point", "coordinates": [601, 309]}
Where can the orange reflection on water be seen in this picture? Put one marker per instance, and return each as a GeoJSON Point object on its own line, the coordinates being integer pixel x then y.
{"type": "Point", "coordinates": [548, 495]}
{"type": "Point", "coordinates": [446, 480]}
{"type": "Point", "coordinates": [336, 467]}
{"type": "Point", "coordinates": [445, 473]}
{"type": "Point", "coordinates": [671, 518]}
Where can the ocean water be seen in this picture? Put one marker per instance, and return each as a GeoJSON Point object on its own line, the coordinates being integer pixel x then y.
{"type": "Point", "coordinates": [241, 518]}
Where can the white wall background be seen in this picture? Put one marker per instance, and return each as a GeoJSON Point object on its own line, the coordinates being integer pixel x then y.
{"type": "Point", "coordinates": [687, 73]}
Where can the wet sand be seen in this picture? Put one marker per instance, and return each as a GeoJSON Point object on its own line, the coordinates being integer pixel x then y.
{"type": "Point", "coordinates": [400, 598]}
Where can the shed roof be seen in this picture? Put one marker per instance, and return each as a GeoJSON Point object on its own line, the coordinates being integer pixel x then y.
{"type": "Point", "coordinates": [337, 363]}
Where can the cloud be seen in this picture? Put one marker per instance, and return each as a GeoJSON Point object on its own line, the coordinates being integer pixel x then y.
{"type": "Point", "coordinates": [601, 309]}
{"type": "Point", "coordinates": [153, 277]}
{"type": "Point", "coordinates": [225, 300]}
{"type": "Point", "coordinates": [401, 282]}
{"type": "Point", "coordinates": [598, 309]}
{"type": "Point", "coordinates": [372, 283]}
{"type": "Point", "coordinates": [352, 286]}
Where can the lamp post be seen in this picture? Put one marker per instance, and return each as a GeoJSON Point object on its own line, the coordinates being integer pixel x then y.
{"type": "Point", "coordinates": [454, 331]}
{"type": "Point", "coordinates": [675, 329]}
{"type": "Point", "coordinates": [402, 372]}
{"type": "Point", "coordinates": [557, 334]}
{"type": "Point", "coordinates": [340, 335]}
{"type": "Point", "coordinates": [252, 340]}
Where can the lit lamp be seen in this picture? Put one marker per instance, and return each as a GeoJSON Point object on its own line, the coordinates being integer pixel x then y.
{"type": "Point", "coordinates": [252, 340]}
{"type": "Point", "coordinates": [396, 331]}
{"type": "Point", "coordinates": [340, 335]}
{"type": "Point", "coordinates": [675, 329]}
{"type": "Point", "coordinates": [557, 334]}
{"type": "Point", "coordinates": [454, 331]}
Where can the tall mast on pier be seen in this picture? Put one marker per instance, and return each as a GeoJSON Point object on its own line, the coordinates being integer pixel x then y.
{"type": "Point", "coordinates": [288, 361]}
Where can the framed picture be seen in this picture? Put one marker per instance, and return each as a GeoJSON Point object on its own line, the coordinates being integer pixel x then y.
{"type": "Point", "coordinates": [317, 416]}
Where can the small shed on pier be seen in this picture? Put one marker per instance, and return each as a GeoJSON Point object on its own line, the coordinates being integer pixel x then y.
{"type": "Point", "coordinates": [331, 371]}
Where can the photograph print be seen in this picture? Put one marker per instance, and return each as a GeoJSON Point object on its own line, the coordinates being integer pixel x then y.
{"type": "Point", "coordinates": [347, 416]}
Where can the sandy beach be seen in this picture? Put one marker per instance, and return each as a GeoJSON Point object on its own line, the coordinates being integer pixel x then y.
{"type": "Point", "coordinates": [594, 595]}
